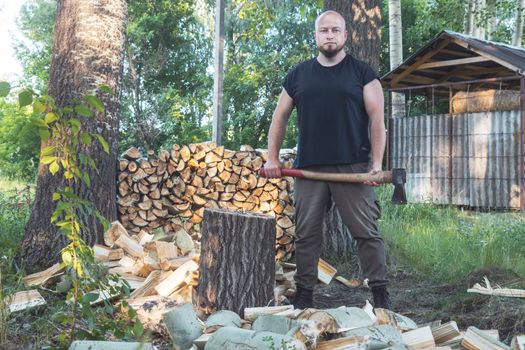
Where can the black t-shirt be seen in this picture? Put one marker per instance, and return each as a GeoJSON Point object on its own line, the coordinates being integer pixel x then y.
{"type": "Point", "coordinates": [332, 120]}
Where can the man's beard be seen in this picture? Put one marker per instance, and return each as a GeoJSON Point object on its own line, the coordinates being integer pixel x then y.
{"type": "Point", "coordinates": [329, 53]}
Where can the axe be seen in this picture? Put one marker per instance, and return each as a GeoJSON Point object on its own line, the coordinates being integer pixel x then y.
{"type": "Point", "coordinates": [395, 176]}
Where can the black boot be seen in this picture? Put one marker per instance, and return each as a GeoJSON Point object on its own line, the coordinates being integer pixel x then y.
{"type": "Point", "coordinates": [303, 298]}
{"type": "Point", "coordinates": [381, 298]}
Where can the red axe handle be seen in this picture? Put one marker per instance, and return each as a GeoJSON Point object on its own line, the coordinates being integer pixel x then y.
{"type": "Point", "coordinates": [380, 177]}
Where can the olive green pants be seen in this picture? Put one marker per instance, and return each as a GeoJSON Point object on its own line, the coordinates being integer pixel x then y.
{"type": "Point", "coordinates": [359, 211]}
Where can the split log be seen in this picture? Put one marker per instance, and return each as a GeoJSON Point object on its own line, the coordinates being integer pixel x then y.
{"type": "Point", "coordinates": [183, 325]}
{"type": "Point", "coordinates": [25, 300]}
{"type": "Point", "coordinates": [109, 345]}
{"type": "Point", "coordinates": [251, 313]}
{"type": "Point", "coordinates": [476, 339]}
{"type": "Point", "coordinates": [346, 343]}
{"type": "Point", "coordinates": [445, 332]}
{"type": "Point", "coordinates": [420, 338]}
{"type": "Point", "coordinates": [518, 342]}
{"type": "Point", "coordinates": [39, 278]}
{"type": "Point", "coordinates": [325, 271]}
{"type": "Point", "coordinates": [237, 264]}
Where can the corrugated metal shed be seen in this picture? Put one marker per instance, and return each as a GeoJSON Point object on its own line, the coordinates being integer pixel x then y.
{"type": "Point", "coordinates": [467, 159]}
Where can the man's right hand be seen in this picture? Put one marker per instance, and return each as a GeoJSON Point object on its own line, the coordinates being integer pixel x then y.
{"type": "Point", "coordinates": [272, 168]}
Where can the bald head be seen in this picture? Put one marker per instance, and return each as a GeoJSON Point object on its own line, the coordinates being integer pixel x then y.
{"type": "Point", "coordinates": [330, 34]}
{"type": "Point", "coordinates": [330, 15]}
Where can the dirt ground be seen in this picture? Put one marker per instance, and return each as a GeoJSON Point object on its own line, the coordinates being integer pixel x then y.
{"type": "Point", "coordinates": [417, 297]}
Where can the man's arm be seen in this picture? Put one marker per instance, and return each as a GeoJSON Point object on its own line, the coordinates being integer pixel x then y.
{"type": "Point", "coordinates": [276, 134]}
{"type": "Point", "coordinates": [374, 105]}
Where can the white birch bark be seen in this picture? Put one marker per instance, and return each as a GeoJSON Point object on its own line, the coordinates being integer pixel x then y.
{"type": "Point", "coordinates": [396, 52]}
{"type": "Point", "coordinates": [518, 31]}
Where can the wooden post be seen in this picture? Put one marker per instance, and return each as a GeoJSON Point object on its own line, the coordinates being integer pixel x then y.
{"type": "Point", "coordinates": [237, 263]}
{"type": "Point", "coordinates": [218, 77]}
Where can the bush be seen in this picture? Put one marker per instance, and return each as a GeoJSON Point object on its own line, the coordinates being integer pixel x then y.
{"type": "Point", "coordinates": [19, 143]}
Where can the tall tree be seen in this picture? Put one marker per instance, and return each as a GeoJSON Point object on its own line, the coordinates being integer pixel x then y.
{"type": "Point", "coordinates": [396, 51]}
{"type": "Point", "coordinates": [518, 31]}
{"type": "Point", "coordinates": [363, 22]}
{"type": "Point", "coordinates": [471, 17]}
{"type": "Point", "coordinates": [87, 51]}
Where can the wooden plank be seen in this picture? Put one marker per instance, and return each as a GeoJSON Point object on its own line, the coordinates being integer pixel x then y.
{"type": "Point", "coordinates": [420, 62]}
{"type": "Point", "coordinates": [455, 62]}
{"type": "Point", "coordinates": [25, 300]}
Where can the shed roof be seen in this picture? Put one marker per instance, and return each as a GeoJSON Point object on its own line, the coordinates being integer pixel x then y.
{"type": "Point", "coordinates": [453, 57]}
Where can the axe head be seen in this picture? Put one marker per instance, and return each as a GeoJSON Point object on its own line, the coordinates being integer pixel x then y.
{"type": "Point", "coordinates": [399, 178]}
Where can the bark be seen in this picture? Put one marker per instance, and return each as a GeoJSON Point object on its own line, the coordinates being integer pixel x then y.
{"type": "Point", "coordinates": [470, 20]}
{"type": "Point", "coordinates": [479, 27]}
{"type": "Point", "coordinates": [363, 22]}
{"type": "Point", "coordinates": [518, 32]}
{"type": "Point", "coordinates": [237, 264]}
{"type": "Point", "coordinates": [87, 51]}
{"type": "Point", "coordinates": [396, 51]}
{"type": "Point", "coordinates": [492, 21]}
{"type": "Point", "coordinates": [337, 241]}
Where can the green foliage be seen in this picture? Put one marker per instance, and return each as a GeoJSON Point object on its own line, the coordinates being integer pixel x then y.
{"type": "Point", "coordinates": [448, 244]}
{"type": "Point", "coordinates": [167, 89]}
{"type": "Point", "coordinates": [36, 22]}
{"type": "Point", "coordinates": [19, 142]}
{"type": "Point", "coordinates": [63, 137]}
{"type": "Point", "coordinates": [265, 40]}
{"type": "Point", "coordinates": [15, 207]}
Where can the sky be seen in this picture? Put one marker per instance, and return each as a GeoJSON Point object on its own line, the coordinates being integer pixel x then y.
{"type": "Point", "coordinates": [10, 68]}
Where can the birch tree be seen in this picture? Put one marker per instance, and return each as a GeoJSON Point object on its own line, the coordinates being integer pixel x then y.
{"type": "Point", "coordinates": [518, 32]}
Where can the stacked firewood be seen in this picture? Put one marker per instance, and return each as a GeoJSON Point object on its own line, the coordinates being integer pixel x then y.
{"type": "Point", "coordinates": [172, 190]}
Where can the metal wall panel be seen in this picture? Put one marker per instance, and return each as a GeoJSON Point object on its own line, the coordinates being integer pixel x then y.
{"type": "Point", "coordinates": [485, 158]}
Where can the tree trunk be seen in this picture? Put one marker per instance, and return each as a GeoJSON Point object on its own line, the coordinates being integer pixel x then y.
{"type": "Point", "coordinates": [237, 264]}
{"type": "Point", "coordinates": [470, 20]}
{"type": "Point", "coordinates": [337, 241]}
{"type": "Point", "coordinates": [492, 23]}
{"type": "Point", "coordinates": [479, 25]}
{"type": "Point", "coordinates": [87, 51]}
{"type": "Point", "coordinates": [396, 52]}
{"type": "Point", "coordinates": [363, 22]}
{"type": "Point", "coordinates": [518, 32]}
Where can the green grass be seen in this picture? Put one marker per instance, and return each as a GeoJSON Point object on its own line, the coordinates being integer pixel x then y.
{"type": "Point", "coordinates": [447, 243]}
{"type": "Point", "coordinates": [15, 207]}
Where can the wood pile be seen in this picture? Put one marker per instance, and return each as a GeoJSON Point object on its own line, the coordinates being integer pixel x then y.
{"type": "Point", "coordinates": [162, 271]}
{"type": "Point", "coordinates": [172, 190]}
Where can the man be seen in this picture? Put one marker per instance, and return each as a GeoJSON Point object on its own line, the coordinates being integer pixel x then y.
{"type": "Point", "coordinates": [339, 103]}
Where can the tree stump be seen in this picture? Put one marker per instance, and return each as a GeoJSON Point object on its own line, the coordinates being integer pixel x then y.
{"type": "Point", "coordinates": [237, 263]}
